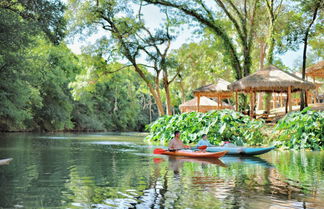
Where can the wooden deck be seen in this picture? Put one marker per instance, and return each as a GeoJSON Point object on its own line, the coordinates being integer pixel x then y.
{"type": "Point", "coordinates": [277, 113]}
{"type": "Point", "coordinates": [319, 106]}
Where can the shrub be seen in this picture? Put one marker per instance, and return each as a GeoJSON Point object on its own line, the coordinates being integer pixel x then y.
{"type": "Point", "coordinates": [302, 130]}
{"type": "Point", "coordinates": [221, 125]}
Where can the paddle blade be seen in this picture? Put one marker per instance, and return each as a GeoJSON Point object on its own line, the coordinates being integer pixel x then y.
{"type": "Point", "coordinates": [158, 151]}
{"type": "Point", "coordinates": [158, 160]}
{"type": "Point", "coordinates": [202, 147]}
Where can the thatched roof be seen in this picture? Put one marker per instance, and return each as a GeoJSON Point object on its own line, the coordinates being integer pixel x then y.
{"type": "Point", "coordinates": [317, 83]}
{"type": "Point", "coordinates": [219, 86]}
{"type": "Point", "coordinates": [218, 89]}
{"type": "Point", "coordinates": [204, 101]}
{"type": "Point", "coordinates": [271, 79]}
{"type": "Point", "coordinates": [316, 70]}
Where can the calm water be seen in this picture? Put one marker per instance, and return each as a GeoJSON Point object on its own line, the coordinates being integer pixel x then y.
{"type": "Point", "coordinates": [119, 171]}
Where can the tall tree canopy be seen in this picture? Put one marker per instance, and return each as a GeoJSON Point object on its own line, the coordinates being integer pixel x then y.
{"type": "Point", "coordinates": [238, 41]}
{"type": "Point", "coordinates": [21, 23]}
{"type": "Point", "coordinates": [129, 38]}
{"type": "Point", "coordinates": [47, 15]}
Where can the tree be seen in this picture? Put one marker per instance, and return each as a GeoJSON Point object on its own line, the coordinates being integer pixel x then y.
{"type": "Point", "coordinates": [52, 69]}
{"type": "Point", "coordinates": [274, 8]}
{"type": "Point", "coordinates": [109, 101]}
{"type": "Point", "coordinates": [201, 63]}
{"type": "Point", "coordinates": [240, 14]}
{"type": "Point", "coordinates": [311, 9]}
{"type": "Point", "coordinates": [46, 15]}
{"type": "Point", "coordinates": [17, 37]}
{"type": "Point", "coordinates": [130, 39]}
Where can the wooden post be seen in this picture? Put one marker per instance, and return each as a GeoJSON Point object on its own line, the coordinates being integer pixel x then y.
{"type": "Point", "coordinates": [274, 100]}
{"type": "Point", "coordinates": [251, 103]}
{"type": "Point", "coordinates": [236, 101]}
{"type": "Point", "coordinates": [286, 104]}
{"type": "Point", "coordinates": [307, 97]}
{"type": "Point", "coordinates": [316, 96]}
{"type": "Point", "coordinates": [289, 99]}
{"type": "Point", "coordinates": [254, 101]}
{"type": "Point", "coordinates": [218, 101]}
{"type": "Point", "coordinates": [221, 102]}
{"type": "Point", "coordinates": [316, 91]}
{"type": "Point", "coordinates": [281, 100]}
{"type": "Point", "coordinates": [198, 102]}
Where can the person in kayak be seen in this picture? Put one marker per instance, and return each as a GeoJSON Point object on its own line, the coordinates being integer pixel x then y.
{"type": "Point", "coordinates": [204, 141]}
{"type": "Point", "coordinates": [176, 143]}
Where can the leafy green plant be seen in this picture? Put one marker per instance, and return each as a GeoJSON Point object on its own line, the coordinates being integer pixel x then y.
{"type": "Point", "coordinates": [222, 125]}
{"type": "Point", "coordinates": [301, 130]}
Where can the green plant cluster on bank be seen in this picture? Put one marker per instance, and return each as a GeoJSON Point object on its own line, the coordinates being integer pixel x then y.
{"type": "Point", "coordinates": [301, 130]}
{"type": "Point", "coordinates": [222, 125]}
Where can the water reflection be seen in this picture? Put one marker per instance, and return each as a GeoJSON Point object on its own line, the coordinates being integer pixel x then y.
{"type": "Point", "coordinates": [69, 173]}
{"type": "Point", "coordinates": [253, 160]}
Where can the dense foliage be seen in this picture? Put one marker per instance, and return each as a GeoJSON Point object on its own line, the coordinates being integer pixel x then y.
{"type": "Point", "coordinates": [114, 103]}
{"type": "Point", "coordinates": [129, 75]}
{"type": "Point", "coordinates": [35, 91]}
{"type": "Point", "coordinates": [302, 130]}
{"type": "Point", "coordinates": [222, 125]}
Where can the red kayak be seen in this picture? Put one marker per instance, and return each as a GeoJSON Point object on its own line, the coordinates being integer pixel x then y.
{"type": "Point", "coordinates": [190, 154]}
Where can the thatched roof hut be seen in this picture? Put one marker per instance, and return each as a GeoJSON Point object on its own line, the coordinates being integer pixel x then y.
{"type": "Point", "coordinates": [205, 105]}
{"type": "Point", "coordinates": [218, 89]}
{"type": "Point", "coordinates": [316, 82]}
{"type": "Point", "coordinates": [271, 79]}
{"type": "Point", "coordinates": [316, 70]}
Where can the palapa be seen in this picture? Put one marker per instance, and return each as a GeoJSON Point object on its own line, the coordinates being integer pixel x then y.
{"type": "Point", "coordinates": [316, 70]}
{"type": "Point", "coordinates": [218, 89]}
{"type": "Point", "coordinates": [271, 79]}
{"type": "Point", "coordinates": [314, 81]}
{"type": "Point", "coordinates": [205, 105]}
{"type": "Point", "coordinates": [219, 86]}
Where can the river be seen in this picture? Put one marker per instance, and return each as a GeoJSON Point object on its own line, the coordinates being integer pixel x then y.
{"type": "Point", "coordinates": [105, 170]}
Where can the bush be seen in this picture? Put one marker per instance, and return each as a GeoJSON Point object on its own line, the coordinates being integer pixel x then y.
{"type": "Point", "coordinates": [221, 125]}
{"type": "Point", "coordinates": [301, 130]}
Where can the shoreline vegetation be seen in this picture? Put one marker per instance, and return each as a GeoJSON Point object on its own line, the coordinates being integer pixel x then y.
{"type": "Point", "coordinates": [297, 130]}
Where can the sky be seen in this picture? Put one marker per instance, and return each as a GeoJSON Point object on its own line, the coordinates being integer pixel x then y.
{"type": "Point", "coordinates": [152, 17]}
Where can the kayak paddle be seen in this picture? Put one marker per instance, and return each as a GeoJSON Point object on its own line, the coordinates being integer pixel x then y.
{"type": "Point", "coordinates": [160, 151]}
{"type": "Point", "coordinates": [202, 147]}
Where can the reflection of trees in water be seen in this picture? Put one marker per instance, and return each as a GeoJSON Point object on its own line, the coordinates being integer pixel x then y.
{"type": "Point", "coordinates": [172, 187]}
{"type": "Point", "coordinates": [52, 173]}
{"type": "Point", "coordinates": [33, 179]}
{"type": "Point", "coordinates": [239, 186]}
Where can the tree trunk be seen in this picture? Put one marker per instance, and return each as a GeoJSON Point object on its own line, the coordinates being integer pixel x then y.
{"type": "Point", "coordinates": [271, 43]}
{"type": "Point", "coordinates": [154, 91]}
{"type": "Point", "coordinates": [263, 47]}
{"type": "Point", "coordinates": [168, 98]}
{"type": "Point", "coordinates": [303, 102]}
{"type": "Point", "coordinates": [157, 97]}
{"type": "Point", "coordinates": [183, 95]}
